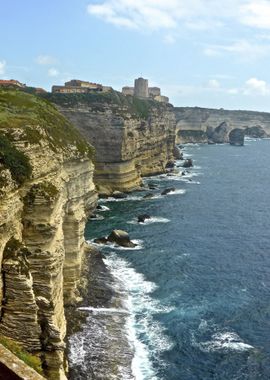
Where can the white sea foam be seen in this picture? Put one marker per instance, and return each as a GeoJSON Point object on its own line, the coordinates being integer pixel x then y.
{"type": "Point", "coordinates": [128, 198]}
{"type": "Point", "coordinates": [224, 341]}
{"type": "Point", "coordinates": [97, 217]}
{"type": "Point", "coordinates": [103, 310]}
{"type": "Point", "coordinates": [140, 322]}
{"type": "Point", "coordinates": [151, 220]}
{"type": "Point", "coordinates": [138, 242]}
{"type": "Point", "coordinates": [103, 208]}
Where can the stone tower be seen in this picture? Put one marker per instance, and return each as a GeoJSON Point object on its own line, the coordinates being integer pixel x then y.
{"type": "Point", "coordinates": [141, 88]}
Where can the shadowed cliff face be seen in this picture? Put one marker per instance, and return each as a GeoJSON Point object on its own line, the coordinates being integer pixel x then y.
{"type": "Point", "coordinates": [194, 124]}
{"type": "Point", "coordinates": [132, 137]}
{"type": "Point", "coordinates": [46, 192]}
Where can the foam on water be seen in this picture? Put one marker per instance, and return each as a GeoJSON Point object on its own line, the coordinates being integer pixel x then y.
{"type": "Point", "coordinates": [140, 322]}
{"type": "Point", "coordinates": [103, 310]}
{"type": "Point", "coordinates": [224, 341]}
{"type": "Point", "coordinates": [103, 208]}
{"type": "Point", "coordinates": [139, 245]}
{"type": "Point", "coordinates": [151, 220]}
{"type": "Point", "coordinates": [128, 198]}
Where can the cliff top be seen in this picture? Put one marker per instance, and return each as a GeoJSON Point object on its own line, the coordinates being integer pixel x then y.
{"type": "Point", "coordinates": [137, 107]}
{"type": "Point", "coordinates": [26, 121]}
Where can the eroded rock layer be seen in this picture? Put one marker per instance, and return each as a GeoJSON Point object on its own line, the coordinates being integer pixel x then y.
{"type": "Point", "coordinates": [132, 137]}
{"type": "Point", "coordinates": [46, 192]}
{"type": "Point", "coordinates": [195, 124]}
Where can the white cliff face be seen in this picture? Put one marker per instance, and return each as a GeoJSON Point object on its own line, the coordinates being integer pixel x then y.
{"type": "Point", "coordinates": [194, 124]}
{"type": "Point", "coordinates": [42, 245]}
{"type": "Point", "coordinates": [132, 137]}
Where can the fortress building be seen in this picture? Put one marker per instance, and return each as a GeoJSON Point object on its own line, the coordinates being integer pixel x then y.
{"type": "Point", "coordinates": [12, 83]}
{"type": "Point", "coordinates": [76, 86]}
{"type": "Point", "coordinates": [141, 90]}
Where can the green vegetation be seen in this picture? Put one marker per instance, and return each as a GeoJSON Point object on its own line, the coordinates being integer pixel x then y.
{"type": "Point", "coordinates": [44, 189]}
{"type": "Point", "coordinates": [28, 358]}
{"type": "Point", "coordinates": [35, 115]}
{"type": "Point", "coordinates": [14, 160]}
{"type": "Point", "coordinates": [140, 108]}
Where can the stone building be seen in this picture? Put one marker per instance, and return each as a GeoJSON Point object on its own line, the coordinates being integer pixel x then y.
{"type": "Point", "coordinates": [76, 86]}
{"type": "Point", "coordinates": [12, 83]}
{"type": "Point", "coordinates": [141, 90]}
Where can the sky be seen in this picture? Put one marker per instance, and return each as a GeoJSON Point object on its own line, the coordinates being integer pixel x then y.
{"type": "Point", "coordinates": [205, 53]}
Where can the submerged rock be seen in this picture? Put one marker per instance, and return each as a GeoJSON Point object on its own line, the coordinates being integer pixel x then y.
{"type": "Point", "coordinates": [101, 240]}
{"type": "Point", "coordinates": [152, 186]}
{"type": "Point", "coordinates": [119, 195]}
{"type": "Point", "coordinates": [167, 191]}
{"type": "Point", "coordinates": [121, 238]}
{"type": "Point", "coordinates": [237, 136]}
{"type": "Point", "coordinates": [143, 217]}
{"type": "Point", "coordinates": [148, 196]}
{"type": "Point", "coordinates": [188, 163]}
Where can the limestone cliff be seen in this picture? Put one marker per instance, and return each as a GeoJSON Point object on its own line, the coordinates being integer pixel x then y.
{"type": "Point", "coordinates": [194, 124]}
{"type": "Point", "coordinates": [46, 192]}
{"type": "Point", "coordinates": [132, 137]}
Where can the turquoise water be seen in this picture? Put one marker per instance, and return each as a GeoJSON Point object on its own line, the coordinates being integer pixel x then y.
{"type": "Point", "coordinates": [198, 286]}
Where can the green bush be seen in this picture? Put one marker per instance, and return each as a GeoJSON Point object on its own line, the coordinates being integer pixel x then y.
{"type": "Point", "coordinates": [31, 360]}
{"type": "Point", "coordinates": [14, 160]}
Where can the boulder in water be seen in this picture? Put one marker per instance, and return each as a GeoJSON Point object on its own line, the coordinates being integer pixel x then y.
{"type": "Point", "coordinates": [101, 240]}
{"type": "Point", "coordinates": [168, 190]}
{"type": "Point", "coordinates": [188, 163]}
{"type": "Point", "coordinates": [119, 195]}
{"type": "Point", "coordinates": [237, 136]}
{"type": "Point", "coordinates": [121, 238]}
{"type": "Point", "coordinates": [143, 217]}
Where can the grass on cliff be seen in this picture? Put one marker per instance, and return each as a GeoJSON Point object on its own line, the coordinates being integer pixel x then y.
{"type": "Point", "coordinates": [21, 110]}
{"type": "Point", "coordinates": [139, 108]}
{"type": "Point", "coordinates": [14, 160]}
{"type": "Point", "coordinates": [31, 360]}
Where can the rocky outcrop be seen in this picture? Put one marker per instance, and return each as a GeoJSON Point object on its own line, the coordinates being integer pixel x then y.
{"type": "Point", "coordinates": [132, 137]}
{"type": "Point", "coordinates": [256, 132]}
{"type": "Point", "coordinates": [202, 125]}
{"type": "Point", "coordinates": [237, 137]}
{"type": "Point", "coordinates": [46, 194]}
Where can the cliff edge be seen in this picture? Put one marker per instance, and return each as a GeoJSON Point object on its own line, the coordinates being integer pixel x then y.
{"type": "Point", "coordinates": [132, 137]}
{"type": "Point", "coordinates": [46, 192]}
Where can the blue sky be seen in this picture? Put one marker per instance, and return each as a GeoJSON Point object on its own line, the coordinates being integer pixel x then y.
{"type": "Point", "coordinates": [200, 52]}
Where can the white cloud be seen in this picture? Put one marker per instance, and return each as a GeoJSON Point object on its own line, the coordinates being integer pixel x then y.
{"type": "Point", "coordinates": [256, 13]}
{"type": "Point", "coordinates": [165, 14]}
{"type": "Point", "coordinates": [52, 72]}
{"type": "Point", "coordinates": [244, 49]}
{"type": "Point", "coordinates": [254, 86]}
{"type": "Point", "coordinates": [2, 67]}
{"type": "Point", "coordinates": [46, 60]}
{"type": "Point", "coordinates": [213, 83]}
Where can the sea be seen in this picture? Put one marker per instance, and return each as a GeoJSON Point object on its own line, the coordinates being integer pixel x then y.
{"type": "Point", "coordinates": [192, 300]}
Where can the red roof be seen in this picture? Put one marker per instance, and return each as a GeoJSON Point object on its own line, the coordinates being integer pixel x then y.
{"type": "Point", "coordinates": [11, 81]}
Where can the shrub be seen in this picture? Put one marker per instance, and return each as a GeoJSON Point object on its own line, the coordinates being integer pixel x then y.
{"type": "Point", "coordinates": [14, 160]}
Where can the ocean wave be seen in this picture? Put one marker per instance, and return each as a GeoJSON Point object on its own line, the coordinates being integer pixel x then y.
{"type": "Point", "coordinates": [138, 242]}
{"type": "Point", "coordinates": [151, 220]}
{"type": "Point", "coordinates": [128, 198]}
{"type": "Point", "coordinates": [224, 341]}
{"type": "Point", "coordinates": [140, 323]}
{"type": "Point", "coordinates": [103, 310]}
{"type": "Point", "coordinates": [103, 208]}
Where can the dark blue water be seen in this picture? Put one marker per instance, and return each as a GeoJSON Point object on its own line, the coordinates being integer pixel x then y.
{"type": "Point", "coordinates": [205, 274]}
